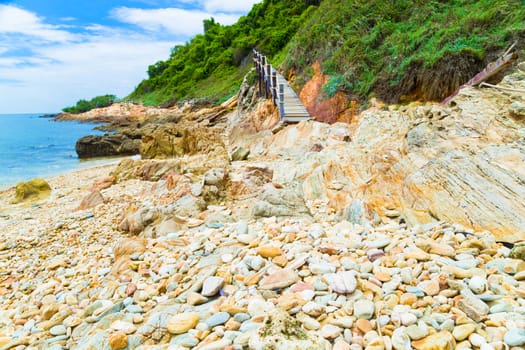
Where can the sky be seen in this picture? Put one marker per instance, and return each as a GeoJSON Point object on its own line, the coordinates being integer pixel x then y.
{"type": "Point", "coordinates": [55, 52]}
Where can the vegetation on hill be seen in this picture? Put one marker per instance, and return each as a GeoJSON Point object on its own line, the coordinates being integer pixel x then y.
{"type": "Point", "coordinates": [421, 49]}
{"type": "Point", "coordinates": [96, 102]}
{"type": "Point", "coordinates": [395, 50]}
{"type": "Point", "coordinates": [211, 65]}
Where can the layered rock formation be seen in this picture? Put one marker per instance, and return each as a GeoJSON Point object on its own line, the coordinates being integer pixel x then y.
{"type": "Point", "coordinates": [463, 163]}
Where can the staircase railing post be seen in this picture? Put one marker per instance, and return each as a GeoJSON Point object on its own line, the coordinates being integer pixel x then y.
{"type": "Point", "coordinates": [281, 101]}
{"type": "Point", "coordinates": [268, 79]}
{"type": "Point", "coordinates": [274, 87]}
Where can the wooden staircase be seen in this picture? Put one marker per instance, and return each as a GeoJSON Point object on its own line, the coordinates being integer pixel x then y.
{"type": "Point", "coordinates": [273, 85]}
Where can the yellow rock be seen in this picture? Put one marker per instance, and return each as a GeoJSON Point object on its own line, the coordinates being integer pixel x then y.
{"type": "Point", "coordinates": [269, 251]}
{"type": "Point", "coordinates": [32, 190]}
{"type": "Point", "coordinates": [438, 341]}
{"type": "Point", "coordinates": [182, 323]}
{"type": "Point", "coordinates": [118, 341]}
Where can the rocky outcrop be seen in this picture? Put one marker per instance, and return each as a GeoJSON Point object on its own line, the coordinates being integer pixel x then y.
{"type": "Point", "coordinates": [414, 164]}
{"type": "Point", "coordinates": [107, 145]}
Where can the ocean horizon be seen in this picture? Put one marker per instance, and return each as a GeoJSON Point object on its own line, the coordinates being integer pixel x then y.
{"type": "Point", "coordinates": [34, 146]}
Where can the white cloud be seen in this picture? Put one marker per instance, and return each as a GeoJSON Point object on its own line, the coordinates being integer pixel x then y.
{"type": "Point", "coordinates": [19, 21]}
{"type": "Point", "coordinates": [176, 21]}
{"type": "Point", "coordinates": [229, 6]}
{"type": "Point", "coordinates": [45, 67]}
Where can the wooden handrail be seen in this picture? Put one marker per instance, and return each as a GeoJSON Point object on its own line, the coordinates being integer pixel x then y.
{"type": "Point", "coordinates": [268, 81]}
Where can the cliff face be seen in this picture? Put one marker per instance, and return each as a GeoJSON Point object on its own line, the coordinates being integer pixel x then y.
{"type": "Point", "coordinates": [417, 163]}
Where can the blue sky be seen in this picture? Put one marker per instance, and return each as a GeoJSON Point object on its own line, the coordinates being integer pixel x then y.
{"type": "Point", "coordinates": [55, 52]}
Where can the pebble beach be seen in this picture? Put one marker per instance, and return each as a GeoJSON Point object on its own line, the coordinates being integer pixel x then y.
{"type": "Point", "coordinates": [70, 279]}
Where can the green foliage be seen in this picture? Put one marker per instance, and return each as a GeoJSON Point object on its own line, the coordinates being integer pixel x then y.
{"type": "Point", "coordinates": [96, 102]}
{"type": "Point", "coordinates": [361, 43]}
{"type": "Point", "coordinates": [211, 65]}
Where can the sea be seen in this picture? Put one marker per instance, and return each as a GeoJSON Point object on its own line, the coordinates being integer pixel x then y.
{"type": "Point", "coordinates": [33, 146]}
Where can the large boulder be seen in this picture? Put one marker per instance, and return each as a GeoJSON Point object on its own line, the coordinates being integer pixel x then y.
{"type": "Point", "coordinates": [106, 145]}
{"type": "Point", "coordinates": [32, 190]}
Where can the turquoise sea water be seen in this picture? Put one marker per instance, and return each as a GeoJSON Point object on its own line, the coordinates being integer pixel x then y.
{"type": "Point", "coordinates": [31, 146]}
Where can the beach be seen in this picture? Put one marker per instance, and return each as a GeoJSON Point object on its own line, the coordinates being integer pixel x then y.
{"type": "Point", "coordinates": [231, 232]}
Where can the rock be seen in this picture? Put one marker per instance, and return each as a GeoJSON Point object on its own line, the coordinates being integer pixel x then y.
{"type": "Point", "coordinates": [400, 339]}
{"type": "Point", "coordinates": [217, 319]}
{"type": "Point", "coordinates": [478, 284]}
{"type": "Point", "coordinates": [473, 307]}
{"type": "Point", "coordinates": [58, 330]}
{"type": "Point", "coordinates": [212, 285]}
{"type": "Point", "coordinates": [330, 332]}
{"type": "Point", "coordinates": [107, 145]}
{"type": "Point", "coordinates": [269, 251]}
{"type": "Point", "coordinates": [515, 337]}
{"type": "Point", "coordinates": [181, 323]}
{"type": "Point", "coordinates": [32, 190]}
{"type": "Point", "coordinates": [280, 279]}
{"type": "Point", "coordinates": [92, 200]}
{"type": "Point", "coordinates": [193, 299]}
{"type": "Point", "coordinates": [462, 332]}
{"type": "Point", "coordinates": [518, 251]}
{"type": "Point", "coordinates": [123, 326]}
{"type": "Point", "coordinates": [128, 246]}
{"type": "Point", "coordinates": [258, 307]}
{"type": "Point", "coordinates": [430, 287]}
{"type": "Point", "coordinates": [517, 110]}
{"type": "Point", "coordinates": [240, 153]}
{"type": "Point", "coordinates": [118, 340]}
{"type": "Point", "coordinates": [280, 331]}
{"type": "Point", "coordinates": [439, 341]}
{"type": "Point", "coordinates": [279, 202]}
{"type": "Point", "coordinates": [364, 309]}
{"type": "Point", "coordinates": [342, 282]}
{"type": "Point", "coordinates": [510, 266]}
{"type": "Point", "coordinates": [416, 332]}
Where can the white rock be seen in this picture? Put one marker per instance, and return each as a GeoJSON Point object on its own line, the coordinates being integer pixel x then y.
{"type": "Point", "coordinates": [226, 258]}
{"type": "Point", "coordinates": [259, 307]}
{"type": "Point", "coordinates": [408, 319]}
{"type": "Point", "coordinates": [476, 340]}
{"type": "Point", "coordinates": [342, 282]}
{"type": "Point", "coordinates": [478, 284]}
{"type": "Point", "coordinates": [212, 285]}
{"type": "Point", "coordinates": [364, 309]}
{"type": "Point", "coordinates": [400, 339]}
{"type": "Point", "coordinates": [330, 331]}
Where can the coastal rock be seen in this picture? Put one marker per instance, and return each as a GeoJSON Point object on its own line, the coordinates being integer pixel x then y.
{"type": "Point", "coordinates": [32, 190]}
{"type": "Point", "coordinates": [107, 145]}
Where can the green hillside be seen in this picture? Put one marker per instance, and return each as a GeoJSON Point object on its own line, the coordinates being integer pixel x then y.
{"type": "Point", "coordinates": [211, 65]}
{"type": "Point", "coordinates": [393, 49]}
